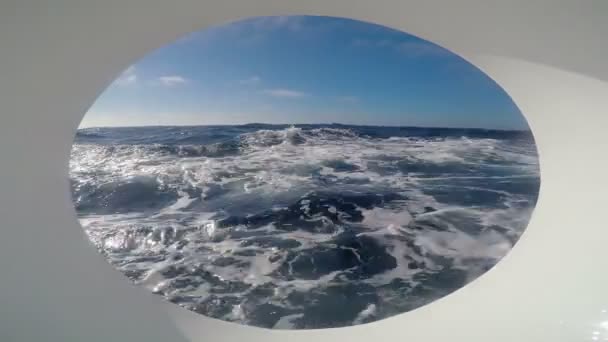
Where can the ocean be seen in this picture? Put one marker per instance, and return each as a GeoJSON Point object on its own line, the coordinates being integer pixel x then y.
{"type": "Point", "coordinates": [305, 226]}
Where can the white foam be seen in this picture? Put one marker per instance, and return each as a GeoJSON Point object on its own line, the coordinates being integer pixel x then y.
{"type": "Point", "coordinates": [368, 312]}
{"type": "Point", "coordinates": [286, 322]}
{"type": "Point", "coordinates": [276, 168]}
{"type": "Point", "coordinates": [385, 220]}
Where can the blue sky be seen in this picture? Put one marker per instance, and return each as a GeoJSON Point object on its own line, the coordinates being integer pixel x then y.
{"type": "Point", "coordinates": [303, 69]}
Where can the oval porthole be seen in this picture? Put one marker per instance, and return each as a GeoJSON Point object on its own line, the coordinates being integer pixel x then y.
{"type": "Point", "coordinates": [303, 172]}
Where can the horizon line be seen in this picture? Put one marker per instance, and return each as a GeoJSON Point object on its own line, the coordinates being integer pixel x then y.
{"type": "Point", "coordinates": [304, 124]}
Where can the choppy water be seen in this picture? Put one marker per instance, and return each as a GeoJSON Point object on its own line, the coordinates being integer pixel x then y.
{"type": "Point", "coordinates": [311, 226]}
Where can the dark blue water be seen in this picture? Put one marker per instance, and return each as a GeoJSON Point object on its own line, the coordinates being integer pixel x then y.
{"type": "Point", "coordinates": [205, 135]}
{"type": "Point", "coordinates": [306, 226]}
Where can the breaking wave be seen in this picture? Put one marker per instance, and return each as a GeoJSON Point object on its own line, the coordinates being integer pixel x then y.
{"type": "Point", "coordinates": [303, 227]}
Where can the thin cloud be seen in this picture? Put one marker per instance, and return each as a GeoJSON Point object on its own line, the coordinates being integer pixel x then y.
{"type": "Point", "coordinates": [285, 93]}
{"type": "Point", "coordinates": [253, 80]}
{"type": "Point", "coordinates": [172, 80]}
{"type": "Point", "coordinates": [411, 48]}
{"type": "Point", "coordinates": [127, 78]}
{"type": "Point", "coordinates": [290, 23]}
{"type": "Point", "coordinates": [254, 31]}
{"type": "Point", "coordinates": [421, 49]}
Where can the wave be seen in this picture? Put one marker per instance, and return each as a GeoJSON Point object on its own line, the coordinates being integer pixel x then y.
{"type": "Point", "coordinates": [303, 227]}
